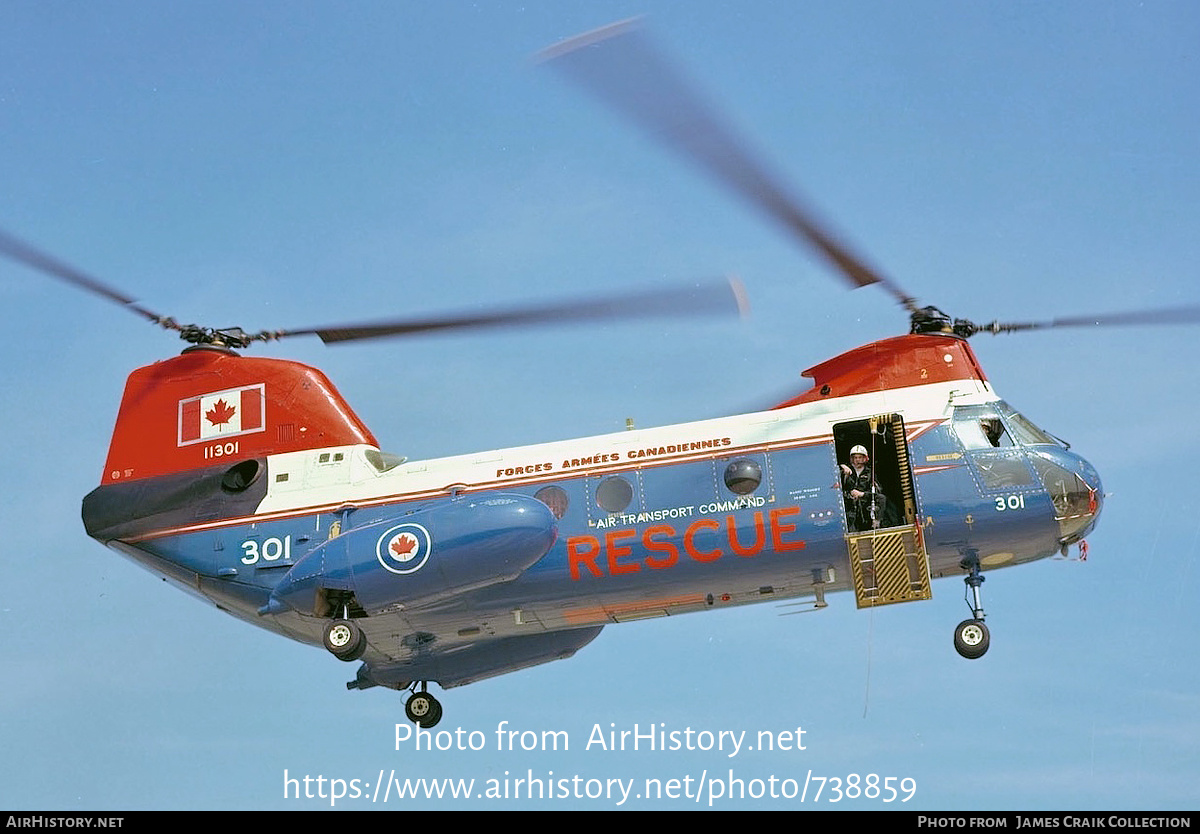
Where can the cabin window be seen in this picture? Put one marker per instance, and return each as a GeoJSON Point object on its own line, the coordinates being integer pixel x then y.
{"type": "Point", "coordinates": [555, 498]}
{"type": "Point", "coordinates": [614, 494]}
{"type": "Point", "coordinates": [743, 476]}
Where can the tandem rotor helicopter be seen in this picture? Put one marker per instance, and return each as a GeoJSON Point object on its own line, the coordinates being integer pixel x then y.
{"type": "Point", "coordinates": [252, 484]}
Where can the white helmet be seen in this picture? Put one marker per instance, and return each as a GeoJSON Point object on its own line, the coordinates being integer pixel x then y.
{"type": "Point", "coordinates": [860, 450]}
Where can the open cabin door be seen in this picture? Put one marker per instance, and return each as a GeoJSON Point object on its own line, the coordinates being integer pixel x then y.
{"type": "Point", "coordinates": [887, 551]}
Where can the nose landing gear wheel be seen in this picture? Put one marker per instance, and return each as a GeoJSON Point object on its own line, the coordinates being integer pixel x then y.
{"type": "Point", "coordinates": [423, 709]}
{"type": "Point", "coordinates": [971, 639]}
{"type": "Point", "coordinates": [345, 640]}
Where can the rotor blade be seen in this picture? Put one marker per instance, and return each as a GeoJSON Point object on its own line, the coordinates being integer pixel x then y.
{"type": "Point", "coordinates": [22, 252]}
{"type": "Point", "coordinates": [715, 297]}
{"type": "Point", "coordinates": [619, 65]}
{"type": "Point", "coordinates": [1170, 315]}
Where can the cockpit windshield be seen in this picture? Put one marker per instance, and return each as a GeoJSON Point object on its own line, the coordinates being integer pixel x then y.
{"type": "Point", "coordinates": [1026, 432]}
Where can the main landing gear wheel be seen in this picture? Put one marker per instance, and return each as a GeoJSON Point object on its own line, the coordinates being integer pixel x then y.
{"type": "Point", "coordinates": [423, 709]}
{"type": "Point", "coordinates": [345, 640]}
{"type": "Point", "coordinates": [971, 639]}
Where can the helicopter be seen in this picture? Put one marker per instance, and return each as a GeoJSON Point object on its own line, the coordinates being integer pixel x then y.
{"type": "Point", "coordinates": [252, 483]}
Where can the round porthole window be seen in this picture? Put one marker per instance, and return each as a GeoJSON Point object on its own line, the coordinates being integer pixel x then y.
{"type": "Point", "coordinates": [614, 494]}
{"type": "Point", "coordinates": [555, 498]}
{"type": "Point", "coordinates": [743, 476]}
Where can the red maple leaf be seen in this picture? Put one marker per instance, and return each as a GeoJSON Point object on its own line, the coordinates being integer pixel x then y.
{"type": "Point", "coordinates": [220, 413]}
{"type": "Point", "coordinates": [403, 545]}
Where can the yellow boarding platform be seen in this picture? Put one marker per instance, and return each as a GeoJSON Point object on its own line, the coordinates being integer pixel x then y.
{"type": "Point", "coordinates": [888, 566]}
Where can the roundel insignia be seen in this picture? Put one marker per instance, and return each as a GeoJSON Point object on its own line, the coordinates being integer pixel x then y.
{"type": "Point", "coordinates": [404, 548]}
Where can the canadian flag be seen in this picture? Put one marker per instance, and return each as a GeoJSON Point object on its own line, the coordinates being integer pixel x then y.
{"type": "Point", "coordinates": [221, 414]}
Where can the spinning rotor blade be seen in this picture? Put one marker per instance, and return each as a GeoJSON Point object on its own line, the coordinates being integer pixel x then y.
{"type": "Point", "coordinates": [22, 252]}
{"type": "Point", "coordinates": [715, 297]}
{"type": "Point", "coordinates": [619, 65]}
{"type": "Point", "coordinates": [1171, 315]}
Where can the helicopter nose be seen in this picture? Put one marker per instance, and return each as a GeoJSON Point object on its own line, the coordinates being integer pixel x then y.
{"type": "Point", "coordinates": [1075, 490]}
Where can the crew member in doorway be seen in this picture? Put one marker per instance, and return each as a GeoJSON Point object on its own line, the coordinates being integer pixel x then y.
{"type": "Point", "coordinates": [866, 506]}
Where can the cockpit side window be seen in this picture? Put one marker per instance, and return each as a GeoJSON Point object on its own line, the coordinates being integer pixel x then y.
{"type": "Point", "coordinates": [997, 459]}
{"type": "Point", "coordinates": [980, 427]}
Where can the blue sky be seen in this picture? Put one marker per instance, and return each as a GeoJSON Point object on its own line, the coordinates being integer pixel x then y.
{"type": "Point", "coordinates": [282, 165]}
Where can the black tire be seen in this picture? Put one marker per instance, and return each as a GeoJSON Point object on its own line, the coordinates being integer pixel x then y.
{"type": "Point", "coordinates": [359, 649]}
{"type": "Point", "coordinates": [971, 639]}
{"type": "Point", "coordinates": [434, 717]}
{"type": "Point", "coordinates": [344, 640]}
{"type": "Point", "coordinates": [424, 709]}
